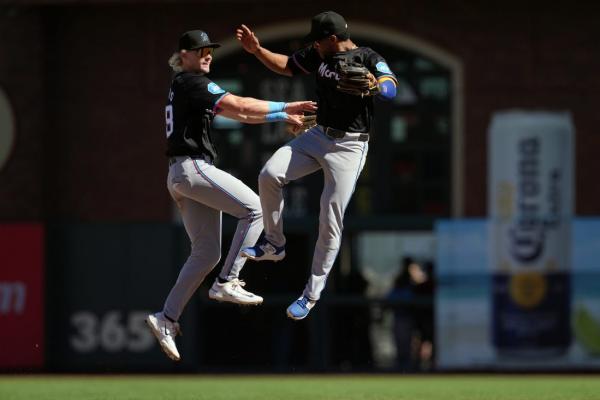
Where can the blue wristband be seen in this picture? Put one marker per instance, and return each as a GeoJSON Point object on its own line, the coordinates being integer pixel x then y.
{"type": "Point", "coordinates": [276, 116]}
{"type": "Point", "coordinates": [387, 89]}
{"type": "Point", "coordinates": [276, 106]}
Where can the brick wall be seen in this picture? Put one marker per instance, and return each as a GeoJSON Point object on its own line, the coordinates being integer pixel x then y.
{"type": "Point", "coordinates": [88, 84]}
{"type": "Point", "coordinates": [21, 78]}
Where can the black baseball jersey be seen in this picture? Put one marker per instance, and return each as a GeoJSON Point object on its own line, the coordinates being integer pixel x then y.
{"type": "Point", "coordinates": [191, 107]}
{"type": "Point", "coordinates": [337, 109]}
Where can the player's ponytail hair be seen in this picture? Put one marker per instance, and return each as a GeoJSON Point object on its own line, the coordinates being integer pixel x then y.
{"type": "Point", "coordinates": [175, 62]}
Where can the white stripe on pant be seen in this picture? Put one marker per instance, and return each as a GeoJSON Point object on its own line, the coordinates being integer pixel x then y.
{"type": "Point", "coordinates": [202, 192]}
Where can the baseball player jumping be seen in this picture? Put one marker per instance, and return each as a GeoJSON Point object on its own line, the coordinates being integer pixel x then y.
{"type": "Point", "coordinates": [338, 144]}
{"type": "Point", "coordinates": [201, 190]}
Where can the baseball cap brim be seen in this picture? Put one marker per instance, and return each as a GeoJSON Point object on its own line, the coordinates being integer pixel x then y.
{"type": "Point", "coordinates": [213, 45]}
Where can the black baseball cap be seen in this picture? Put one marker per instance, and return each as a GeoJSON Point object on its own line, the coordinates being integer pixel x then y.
{"type": "Point", "coordinates": [192, 40]}
{"type": "Point", "coordinates": [326, 24]}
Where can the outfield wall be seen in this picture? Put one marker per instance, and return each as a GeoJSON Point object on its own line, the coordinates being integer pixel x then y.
{"type": "Point", "coordinates": [74, 298]}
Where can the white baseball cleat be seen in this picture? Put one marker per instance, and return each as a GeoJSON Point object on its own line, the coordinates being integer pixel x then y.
{"type": "Point", "coordinates": [233, 291]}
{"type": "Point", "coordinates": [165, 332]}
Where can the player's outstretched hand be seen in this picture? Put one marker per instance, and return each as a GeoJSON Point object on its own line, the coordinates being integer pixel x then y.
{"type": "Point", "coordinates": [298, 107]}
{"type": "Point", "coordinates": [249, 41]}
{"type": "Point", "coordinates": [294, 119]}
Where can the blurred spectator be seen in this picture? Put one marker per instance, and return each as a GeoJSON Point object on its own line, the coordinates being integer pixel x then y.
{"type": "Point", "coordinates": [424, 316]}
{"type": "Point", "coordinates": [413, 316]}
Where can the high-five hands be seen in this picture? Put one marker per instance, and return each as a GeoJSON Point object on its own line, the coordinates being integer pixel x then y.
{"type": "Point", "coordinates": [249, 41]}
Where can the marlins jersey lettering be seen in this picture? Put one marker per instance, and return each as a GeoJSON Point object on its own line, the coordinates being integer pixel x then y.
{"type": "Point", "coordinates": [191, 107]}
{"type": "Point", "coordinates": [336, 109]}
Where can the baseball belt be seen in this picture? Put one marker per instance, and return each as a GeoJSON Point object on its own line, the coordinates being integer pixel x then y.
{"type": "Point", "coordinates": [339, 134]}
{"type": "Point", "coordinates": [173, 160]}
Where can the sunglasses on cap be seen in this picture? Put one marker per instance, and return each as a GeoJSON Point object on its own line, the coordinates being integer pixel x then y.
{"type": "Point", "coordinates": [204, 51]}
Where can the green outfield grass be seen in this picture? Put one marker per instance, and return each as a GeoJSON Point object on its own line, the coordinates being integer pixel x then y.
{"type": "Point", "coordinates": [286, 387]}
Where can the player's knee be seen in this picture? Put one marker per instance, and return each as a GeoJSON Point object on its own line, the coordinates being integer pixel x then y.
{"type": "Point", "coordinates": [213, 258]}
{"type": "Point", "coordinates": [254, 208]}
{"type": "Point", "coordinates": [268, 176]}
{"type": "Point", "coordinates": [255, 213]}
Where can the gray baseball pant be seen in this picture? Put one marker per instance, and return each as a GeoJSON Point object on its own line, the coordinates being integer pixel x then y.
{"type": "Point", "coordinates": [202, 192]}
{"type": "Point", "coordinates": [341, 160]}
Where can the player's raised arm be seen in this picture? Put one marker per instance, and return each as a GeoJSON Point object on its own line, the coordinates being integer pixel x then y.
{"type": "Point", "coordinates": [274, 61]}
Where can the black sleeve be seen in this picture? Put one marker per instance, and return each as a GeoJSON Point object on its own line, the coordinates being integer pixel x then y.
{"type": "Point", "coordinates": [304, 61]}
{"type": "Point", "coordinates": [378, 66]}
{"type": "Point", "coordinates": [204, 93]}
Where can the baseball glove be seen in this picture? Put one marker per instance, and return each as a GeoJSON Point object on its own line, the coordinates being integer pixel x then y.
{"type": "Point", "coordinates": [355, 79]}
{"type": "Point", "coordinates": [308, 121]}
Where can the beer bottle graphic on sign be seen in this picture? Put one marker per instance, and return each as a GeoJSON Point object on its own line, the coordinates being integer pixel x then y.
{"type": "Point", "coordinates": [530, 211]}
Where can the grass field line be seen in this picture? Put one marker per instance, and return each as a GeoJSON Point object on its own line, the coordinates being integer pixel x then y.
{"type": "Point", "coordinates": [300, 387]}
